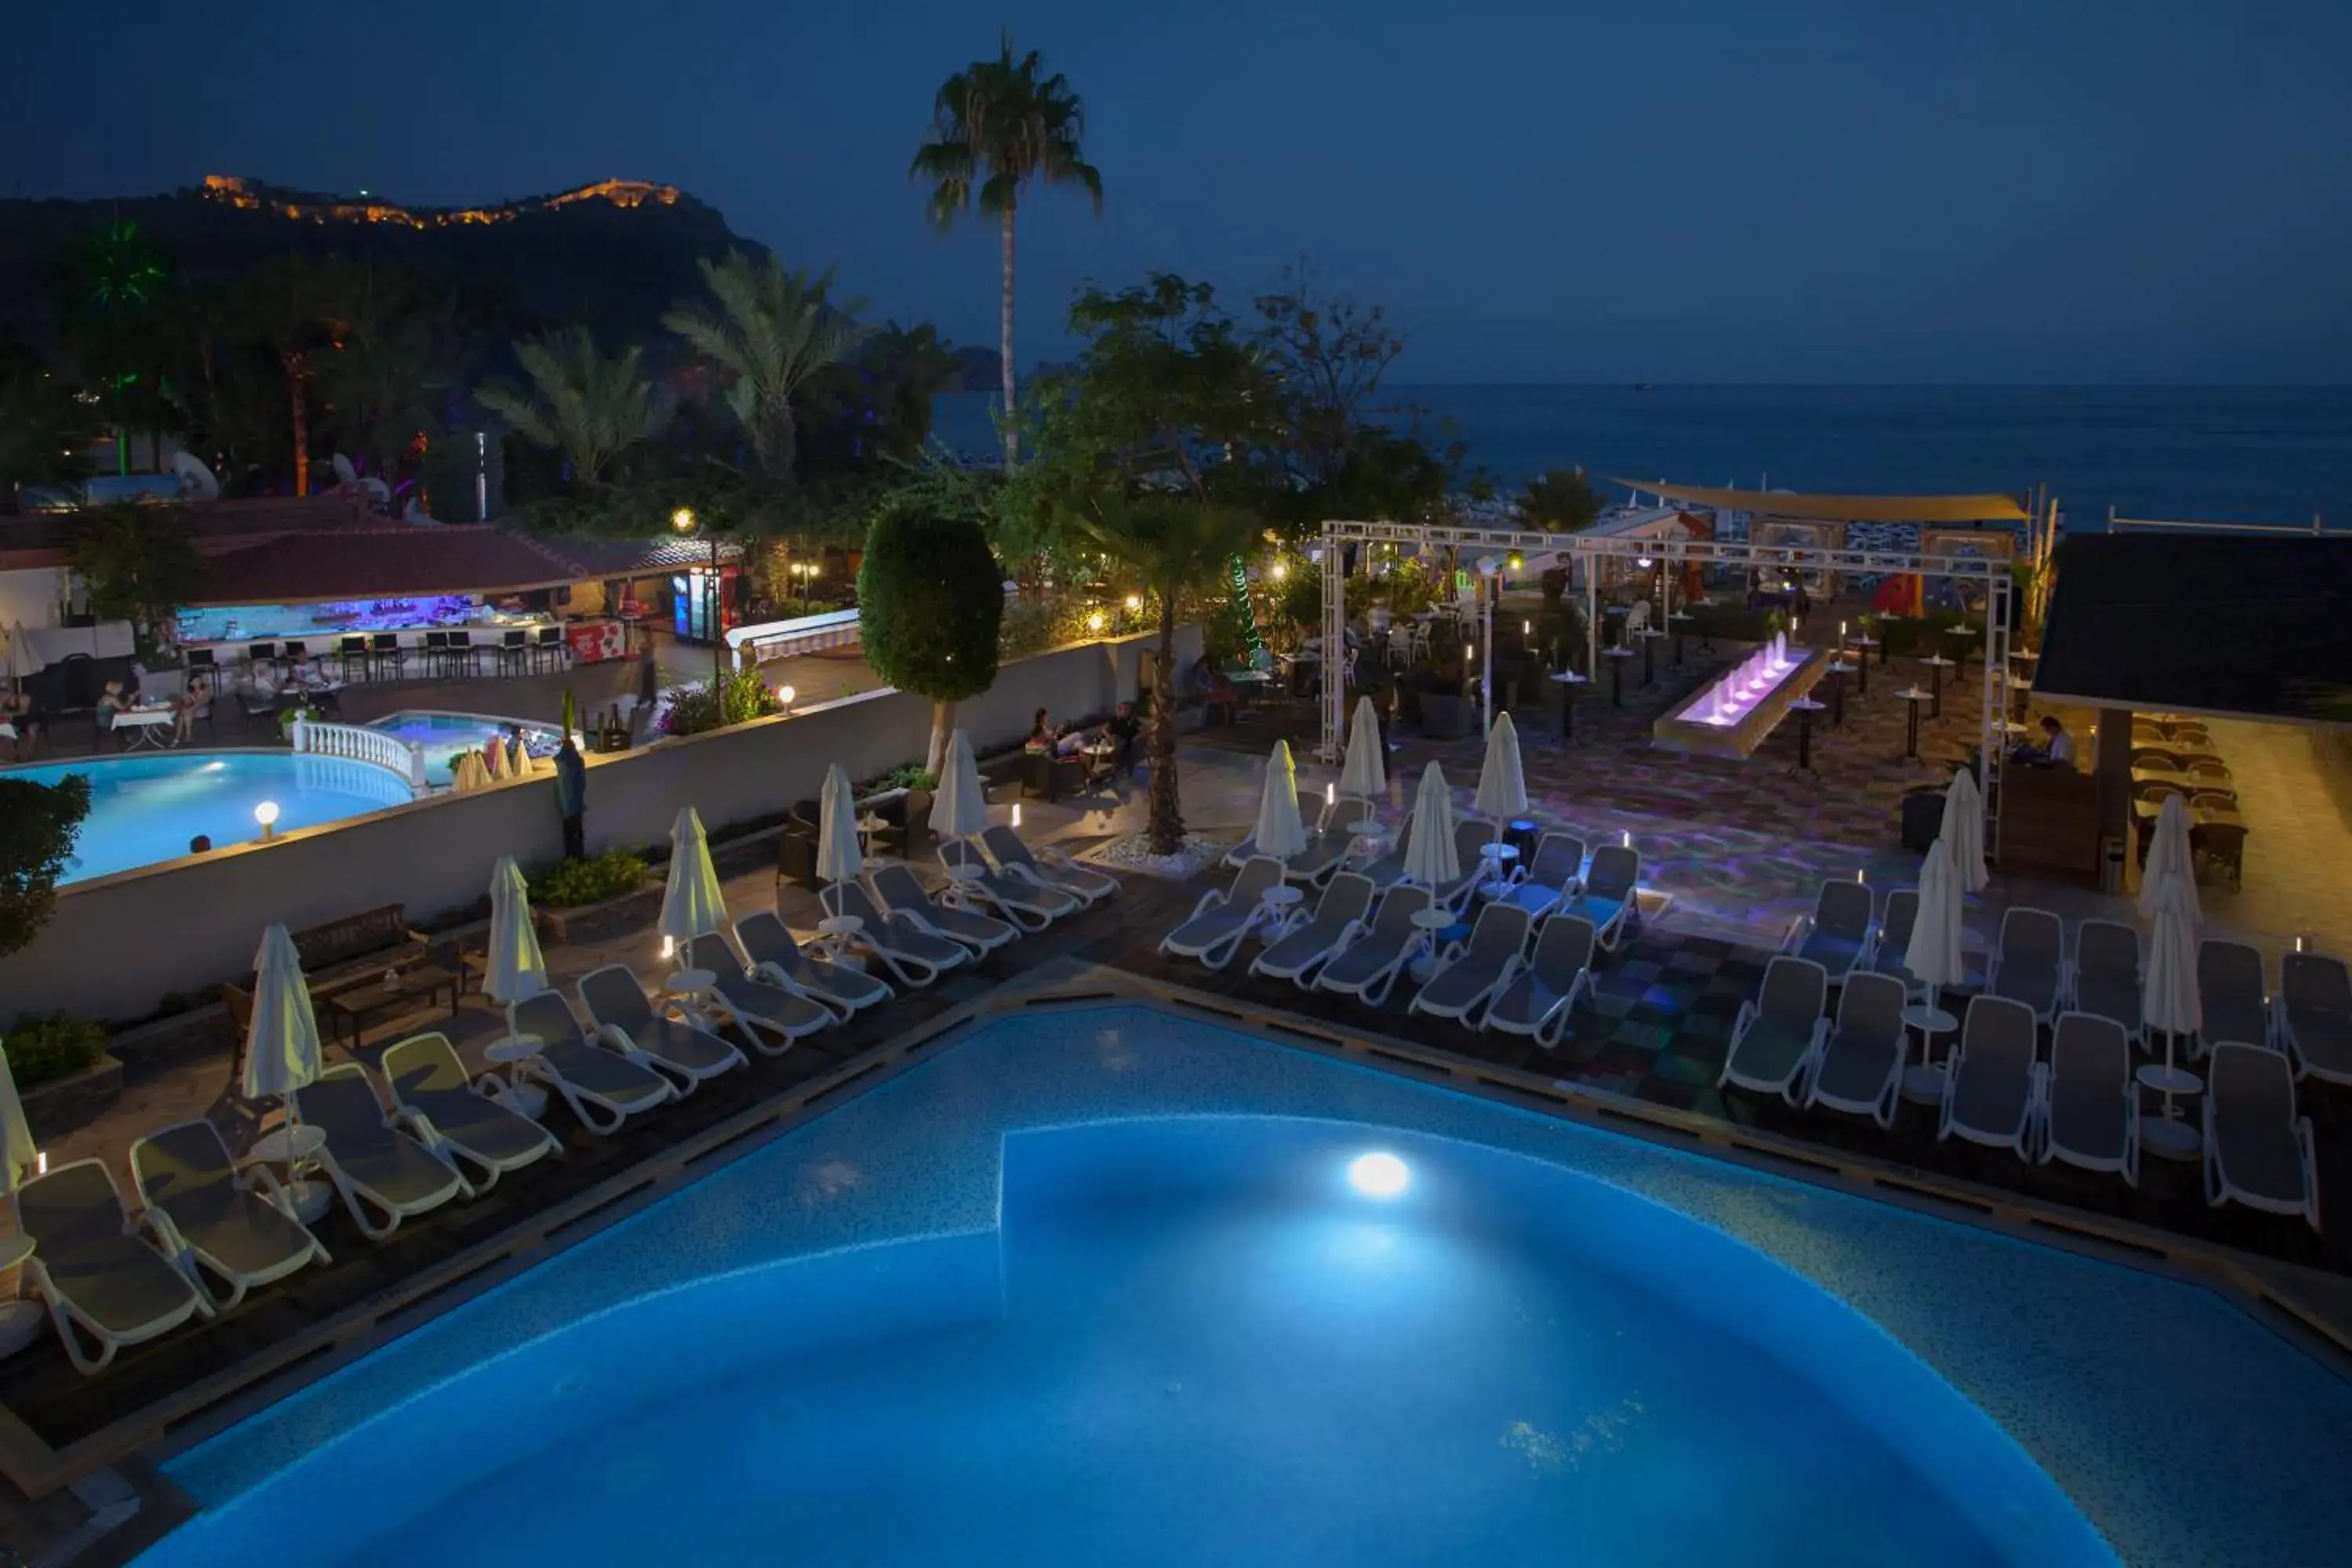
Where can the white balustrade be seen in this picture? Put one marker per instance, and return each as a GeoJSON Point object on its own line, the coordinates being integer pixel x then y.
{"type": "Point", "coordinates": [360, 744]}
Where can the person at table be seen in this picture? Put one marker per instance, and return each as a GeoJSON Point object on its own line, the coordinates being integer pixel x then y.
{"type": "Point", "coordinates": [1041, 734]}
{"type": "Point", "coordinates": [2057, 748]}
{"type": "Point", "coordinates": [110, 703]}
{"type": "Point", "coordinates": [1211, 686]}
{"type": "Point", "coordinates": [194, 703]}
{"type": "Point", "coordinates": [1123, 729]}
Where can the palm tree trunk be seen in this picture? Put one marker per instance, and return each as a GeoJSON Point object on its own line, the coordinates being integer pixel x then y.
{"type": "Point", "coordinates": [1165, 832]}
{"type": "Point", "coordinates": [1005, 350]}
{"type": "Point", "coordinates": [293, 364]}
{"type": "Point", "coordinates": [942, 722]}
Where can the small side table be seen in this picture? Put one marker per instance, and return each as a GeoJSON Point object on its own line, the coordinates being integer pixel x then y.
{"type": "Point", "coordinates": [689, 984]}
{"type": "Point", "coordinates": [1275, 905]}
{"type": "Point", "coordinates": [1914, 696]}
{"type": "Point", "coordinates": [2169, 1136]}
{"type": "Point", "coordinates": [1568, 681]}
{"type": "Point", "coordinates": [512, 1053]}
{"type": "Point", "coordinates": [1862, 677]}
{"type": "Point", "coordinates": [1430, 921]}
{"type": "Point", "coordinates": [1680, 620]}
{"type": "Point", "coordinates": [295, 1145]}
{"type": "Point", "coordinates": [20, 1320]}
{"type": "Point", "coordinates": [1497, 856]}
{"type": "Point", "coordinates": [1650, 636]}
{"type": "Point", "coordinates": [1937, 664]}
{"type": "Point", "coordinates": [834, 935]}
{"type": "Point", "coordinates": [1617, 658]}
{"type": "Point", "coordinates": [1838, 669]}
{"type": "Point", "coordinates": [1924, 1084]}
{"type": "Point", "coordinates": [1804, 708]}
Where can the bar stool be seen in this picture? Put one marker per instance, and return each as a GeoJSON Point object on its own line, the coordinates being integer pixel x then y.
{"type": "Point", "coordinates": [385, 649]}
{"type": "Point", "coordinates": [464, 657]}
{"type": "Point", "coordinates": [514, 653]}
{"type": "Point", "coordinates": [295, 656]}
{"type": "Point", "coordinates": [436, 652]}
{"type": "Point", "coordinates": [258, 653]}
{"type": "Point", "coordinates": [549, 646]}
{"type": "Point", "coordinates": [349, 651]}
{"type": "Point", "coordinates": [201, 662]}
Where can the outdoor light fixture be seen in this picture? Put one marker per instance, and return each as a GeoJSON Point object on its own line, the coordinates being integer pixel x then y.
{"type": "Point", "coordinates": [1643, 562]}
{"type": "Point", "coordinates": [682, 520]}
{"type": "Point", "coordinates": [1134, 603]}
{"type": "Point", "coordinates": [1279, 570]}
{"type": "Point", "coordinates": [1097, 621]}
{"type": "Point", "coordinates": [266, 814]}
{"type": "Point", "coordinates": [41, 1163]}
{"type": "Point", "coordinates": [1330, 795]}
{"type": "Point", "coordinates": [1378, 1176]}
{"type": "Point", "coordinates": [1016, 813]}
{"type": "Point", "coordinates": [669, 946]}
{"type": "Point", "coordinates": [784, 695]}
{"type": "Point", "coordinates": [1517, 561]}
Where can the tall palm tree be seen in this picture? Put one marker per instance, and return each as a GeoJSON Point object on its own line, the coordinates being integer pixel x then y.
{"type": "Point", "coordinates": [996, 126]}
{"type": "Point", "coordinates": [581, 403]}
{"type": "Point", "coordinates": [292, 304]}
{"type": "Point", "coordinates": [773, 329]}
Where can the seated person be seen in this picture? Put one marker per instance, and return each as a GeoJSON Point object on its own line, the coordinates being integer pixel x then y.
{"type": "Point", "coordinates": [1041, 733]}
{"type": "Point", "coordinates": [1210, 685]}
{"type": "Point", "coordinates": [2057, 748]}
{"type": "Point", "coordinates": [111, 701]}
{"type": "Point", "coordinates": [1123, 728]}
{"type": "Point", "coordinates": [16, 711]}
{"type": "Point", "coordinates": [195, 703]}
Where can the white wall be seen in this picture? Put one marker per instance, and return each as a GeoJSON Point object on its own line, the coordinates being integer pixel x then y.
{"type": "Point", "coordinates": [116, 945]}
{"type": "Point", "coordinates": [32, 595]}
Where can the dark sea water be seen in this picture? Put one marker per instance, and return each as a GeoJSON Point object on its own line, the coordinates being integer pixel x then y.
{"type": "Point", "coordinates": [2269, 455]}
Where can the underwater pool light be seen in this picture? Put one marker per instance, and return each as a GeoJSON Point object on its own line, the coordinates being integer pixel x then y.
{"type": "Point", "coordinates": [1378, 1176]}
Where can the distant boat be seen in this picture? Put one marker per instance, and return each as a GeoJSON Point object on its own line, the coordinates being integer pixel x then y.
{"type": "Point", "coordinates": [1645, 386]}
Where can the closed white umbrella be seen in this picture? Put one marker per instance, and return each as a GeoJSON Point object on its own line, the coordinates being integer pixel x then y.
{"type": "Point", "coordinates": [1502, 781]}
{"type": "Point", "coordinates": [19, 1156]}
{"type": "Point", "coordinates": [518, 758]}
{"type": "Point", "coordinates": [281, 1047]}
{"type": "Point", "coordinates": [23, 662]}
{"type": "Point", "coordinates": [839, 858]}
{"type": "Point", "coordinates": [493, 760]}
{"type": "Point", "coordinates": [1279, 831]}
{"type": "Point", "coordinates": [2168, 852]}
{"type": "Point", "coordinates": [961, 808]}
{"type": "Point", "coordinates": [466, 774]}
{"type": "Point", "coordinates": [692, 905]}
{"type": "Point", "coordinates": [2168, 999]}
{"type": "Point", "coordinates": [516, 968]}
{"type": "Point", "coordinates": [1934, 957]}
{"type": "Point", "coordinates": [1963, 829]}
{"type": "Point", "coordinates": [1430, 858]}
{"type": "Point", "coordinates": [1364, 769]}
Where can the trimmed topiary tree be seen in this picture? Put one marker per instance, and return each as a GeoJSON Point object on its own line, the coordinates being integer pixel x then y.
{"type": "Point", "coordinates": [931, 600]}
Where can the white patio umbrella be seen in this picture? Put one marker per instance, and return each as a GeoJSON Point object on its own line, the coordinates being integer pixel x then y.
{"type": "Point", "coordinates": [1934, 957]}
{"type": "Point", "coordinates": [961, 805]}
{"type": "Point", "coordinates": [2166, 853]}
{"type": "Point", "coordinates": [1963, 829]}
{"type": "Point", "coordinates": [1279, 831]}
{"type": "Point", "coordinates": [19, 1154]}
{"type": "Point", "coordinates": [1364, 769]}
{"type": "Point", "coordinates": [23, 661]}
{"type": "Point", "coordinates": [2168, 999]}
{"type": "Point", "coordinates": [692, 905]}
{"type": "Point", "coordinates": [838, 858]}
{"type": "Point", "coordinates": [518, 758]}
{"type": "Point", "coordinates": [516, 968]}
{"type": "Point", "coordinates": [1502, 781]}
{"type": "Point", "coordinates": [281, 1047]}
{"type": "Point", "coordinates": [494, 761]}
{"type": "Point", "coordinates": [1430, 859]}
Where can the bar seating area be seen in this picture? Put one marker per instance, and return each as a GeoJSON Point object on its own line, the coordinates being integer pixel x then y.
{"type": "Point", "coordinates": [2176, 756]}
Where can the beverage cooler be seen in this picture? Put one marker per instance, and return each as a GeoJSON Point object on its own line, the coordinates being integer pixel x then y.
{"type": "Point", "coordinates": [702, 602]}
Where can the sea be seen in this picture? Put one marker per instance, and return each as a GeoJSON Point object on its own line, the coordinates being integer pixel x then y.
{"type": "Point", "coordinates": [2276, 456]}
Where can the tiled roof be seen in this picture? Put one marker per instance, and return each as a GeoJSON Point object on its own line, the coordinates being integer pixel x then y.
{"type": "Point", "coordinates": [45, 539]}
{"type": "Point", "coordinates": [390, 561]}
{"type": "Point", "coordinates": [635, 557]}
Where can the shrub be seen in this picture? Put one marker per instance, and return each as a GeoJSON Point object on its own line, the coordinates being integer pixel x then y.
{"type": "Point", "coordinates": [931, 605]}
{"type": "Point", "coordinates": [910, 776]}
{"type": "Point", "coordinates": [38, 824]}
{"type": "Point", "coordinates": [568, 884]}
{"type": "Point", "coordinates": [43, 1049]}
{"type": "Point", "coordinates": [742, 697]}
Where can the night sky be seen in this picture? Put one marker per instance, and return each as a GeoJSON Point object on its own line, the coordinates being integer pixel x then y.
{"type": "Point", "coordinates": [2077, 191]}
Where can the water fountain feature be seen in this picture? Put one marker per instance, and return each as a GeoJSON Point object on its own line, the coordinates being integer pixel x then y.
{"type": "Point", "coordinates": [1731, 715]}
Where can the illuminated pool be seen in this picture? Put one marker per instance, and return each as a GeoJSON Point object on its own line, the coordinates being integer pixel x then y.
{"type": "Point", "coordinates": [444, 735]}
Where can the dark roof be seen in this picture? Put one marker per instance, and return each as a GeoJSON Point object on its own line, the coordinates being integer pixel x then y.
{"type": "Point", "coordinates": [2204, 623]}
{"type": "Point", "coordinates": [45, 539]}
{"type": "Point", "coordinates": [635, 557]}
{"type": "Point", "coordinates": [393, 561]}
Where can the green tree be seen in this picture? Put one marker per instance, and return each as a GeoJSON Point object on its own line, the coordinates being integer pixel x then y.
{"type": "Point", "coordinates": [139, 566]}
{"type": "Point", "coordinates": [929, 605]}
{"type": "Point", "coordinates": [114, 291]}
{"type": "Point", "coordinates": [38, 824]}
{"type": "Point", "coordinates": [997, 126]}
{"type": "Point", "coordinates": [384, 378]}
{"type": "Point", "coordinates": [1560, 500]}
{"type": "Point", "coordinates": [43, 429]}
{"type": "Point", "coordinates": [582, 405]}
{"type": "Point", "coordinates": [773, 331]}
{"type": "Point", "coordinates": [291, 304]}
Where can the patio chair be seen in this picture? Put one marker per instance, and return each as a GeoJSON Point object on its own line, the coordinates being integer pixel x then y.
{"type": "Point", "coordinates": [1047, 867]}
{"type": "Point", "coordinates": [671, 1044]}
{"type": "Point", "coordinates": [770, 1016]}
{"type": "Point", "coordinates": [1468, 975]}
{"type": "Point", "coordinates": [1993, 1083]}
{"type": "Point", "coordinates": [911, 950]}
{"type": "Point", "coordinates": [1339, 917]}
{"type": "Point", "coordinates": [1032, 906]}
{"type": "Point", "coordinates": [2257, 1150]}
{"type": "Point", "coordinates": [372, 1164]}
{"type": "Point", "coordinates": [1555, 874]}
{"type": "Point", "coordinates": [2107, 974]}
{"type": "Point", "coordinates": [1388, 871]}
{"type": "Point", "coordinates": [2313, 1015]}
{"type": "Point", "coordinates": [775, 956]}
{"type": "Point", "coordinates": [1334, 838]}
{"type": "Point", "coordinates": [1779, 1032]}
{"type": "Point", "coordinates": [103, 1282]}
{"type": "Point", "coordinates": [1213, 932]}
{"type": "Point", "coordinates": [1860, 1068]}
{"type": "Point", "coordinates": [237, 1227]}
{"type": "Point", "coordinates": [2230, 995]}
{"type": "Point", "coordinates": [1471, 837]}
{"type": "Point", "coordinates": [1609, 897]}
{"type": "Point", "coordinates": [901, 892]}
{"type": "Point", "coordinates": [431, 1092]}
{"type": "Point", "coordinates": [602, 1088]}
{"type": "Point", "coordinates": [1367, 968]}
{"type": "Point", "coordinates": [1837, 933]}
{"type": "Point", "coordinates": [2089, 1110]}
{"type": "Point", "coordinates": [1893, 936]}
{"type": "Point", "coordinates": [2030, 964]}
{"type": "Point", "coordinates": [1542, 995]}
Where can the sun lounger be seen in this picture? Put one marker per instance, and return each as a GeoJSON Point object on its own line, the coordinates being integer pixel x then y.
{"type": "Point", "coordinates": [1837, 933]}
{"type": "Point", "coordinates": [1608, 896]}
{"type": "Point", "coordinates": [1339, 915]}
{"type": "Point", "coordinates": [1542, 995]}
{"type": "Point", "coordinates": [1029, 905]}
{"type": "Point", "coordinates": [767, 943]}
{"type": "Point", "coordinates": [2031, 963]}
{"type": "Point", "coordinates": [902, 893]}
{"type": "Point", "coordinates": [1779, 1035]}
{"type": "Point", "coordinates": [1315, 864]}
{"type": "Point", "coordinates": [1554, 875]}
{"type": "Point", "coordinates": [1048, 868]}
{"type": "Point", "coordinates": [2107, 975]}
{"type": "Point", "coordinates": [1213, 932]}
{"type": "Point", "coordinates": [102, 1282]}
{"type": "Point", "coordinates": [2230, 995]}
{"type": "Point", "coordinates": [2313, 1015]}
{"type": "Point", "coordinates": [431, 1092]}
{"type": "Point", "coordinates": [1240, 855]}
{"type": "Point", "coordinates": [2089, 1112]}
{"type": "Point", "coordinates": [602, 1086]}
{"type": "Point", "coordinates": [1367, 967]}
{"type": "Point", "coordinates": [910, 949]}
{"type": "Point", "coordinates": [1388, 871]}
{"type": "Point", "coordinates": [2257, 1150]}
{"type": "Point", "coordinates": [1993, 1083]}
{"type": "Point", "coordinates": [1469, 974]}
{"type": "Point", "coordinates": [1860, 1065]}
{"type": "Point", "coordinates": [770, 1016]}
{"type": "Point", "coordinates": [1893, 936]}
{"type": "Point", "coordinates": [676, 1046]}
{"type": "Point", "coordinates": [237, 1227]}
{"type": "Point", "coordinates": [372, 1164]}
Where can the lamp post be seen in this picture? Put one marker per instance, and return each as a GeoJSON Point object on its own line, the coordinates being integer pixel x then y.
{"type": "Point", "coordinates": [683, 521]}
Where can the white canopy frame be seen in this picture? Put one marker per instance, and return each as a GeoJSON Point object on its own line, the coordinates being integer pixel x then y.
{"type": "Point", "coordinates": [1991, 572]}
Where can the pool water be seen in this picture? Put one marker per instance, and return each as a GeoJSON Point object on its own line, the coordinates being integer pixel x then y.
{"type": "Point", "coordinates": [145, 809]}
{"type": "Point", "coordinates": [444, 735]}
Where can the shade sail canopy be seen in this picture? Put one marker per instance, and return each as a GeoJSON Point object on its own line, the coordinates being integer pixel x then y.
{"type": "Point", "coordinates": [1841, 509]}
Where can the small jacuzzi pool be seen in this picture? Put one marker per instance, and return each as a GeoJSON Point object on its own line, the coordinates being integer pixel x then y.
{"type": "Point", "coordinates": [445, 735]}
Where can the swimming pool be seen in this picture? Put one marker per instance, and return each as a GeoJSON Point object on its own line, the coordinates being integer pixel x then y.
{"type": "Point", "coordinates": [143, 809]}
{"type": "Point", "coordinates": [1110, 1285]}
{"type": "Point", "coordinates": [444, 735]}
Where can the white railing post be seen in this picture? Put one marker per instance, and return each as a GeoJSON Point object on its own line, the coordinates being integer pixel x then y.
{"type": "Point", "coordinates": [300, 737]}
{"type": "Point", "coordinates": [417, 766]}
